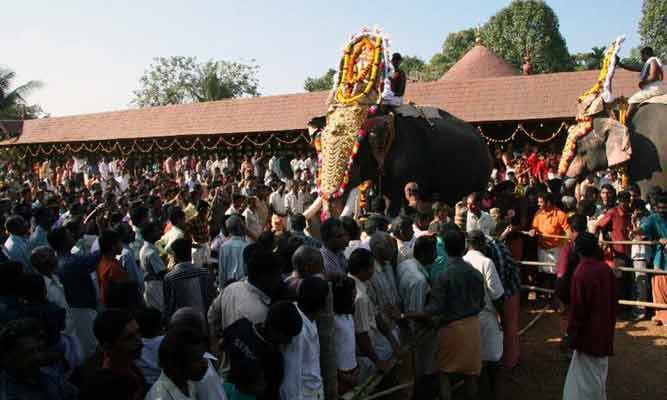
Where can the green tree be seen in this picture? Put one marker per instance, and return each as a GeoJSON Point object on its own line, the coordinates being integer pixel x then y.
{"type": "Point", "coordinates": [413, 67]}
{"type": "Point", "coordinates": [219, 80]}
{"type": "Point", "coordinates": [652, 26]}
{"type": "Point", "coordinates": [324, 82]}
{"type": "Point", "coordinates": [456, 45]}
{"type": "Point", "coordinates": [528, 27]}
{"type": "Point", "coordinates": [13, 103]}
{"type": "Point", "coordinates": [178, 80]}
{"type": "Point", "coordinates": [590, 60]}
{"type": "Point", "coordinates": [634, 58]}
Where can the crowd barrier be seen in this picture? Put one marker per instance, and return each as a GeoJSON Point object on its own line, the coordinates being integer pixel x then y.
{"type": "Point", "coordinates": [364, 390]}
{"type": "Point", "coordinates": [624, 302]}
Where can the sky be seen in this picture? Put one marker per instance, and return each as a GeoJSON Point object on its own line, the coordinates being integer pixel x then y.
{"type": "Point", "coordinates": [90, 54]}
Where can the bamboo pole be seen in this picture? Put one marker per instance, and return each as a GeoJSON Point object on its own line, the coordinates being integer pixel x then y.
{"type": "Point", "coordinates": [642, 304]}
{"type": "Point", "coordinates": [644, 270]}
{"type": "Point", "coordinates": [537, 289]}
{"type": "Point", "coordinates": [633, 303]}
{"type": "Point", "coordinates": [626, 269]}
{"type": "Point", "coordinates": [533, 321]}
{"type": "Point", "coordinates": [623, 242]}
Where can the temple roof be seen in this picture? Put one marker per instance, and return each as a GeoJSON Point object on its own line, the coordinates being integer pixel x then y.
{"type": "Point", "coordinates": [507, 98]}
{"type": "Point", "coordinates": [479, 63]}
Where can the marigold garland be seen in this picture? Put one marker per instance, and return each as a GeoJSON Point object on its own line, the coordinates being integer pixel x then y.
{"type": "Point", "coordinates": [575, 133]}
{"type": "Point", "coordinates": [347, 79]}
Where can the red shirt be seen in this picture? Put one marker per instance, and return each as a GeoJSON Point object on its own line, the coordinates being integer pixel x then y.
{"type": "Point", "coordinates": [592, 311]}
{"type": "Point", "coordinates": [109, 271]}
{"type": "Point", "coordinates": [620, 228]}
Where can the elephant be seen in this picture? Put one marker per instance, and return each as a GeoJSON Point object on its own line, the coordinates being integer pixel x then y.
{"type": "Point", "coordinates": [603, 147]}
{"type": "Point", "coordinates": [444, 155]}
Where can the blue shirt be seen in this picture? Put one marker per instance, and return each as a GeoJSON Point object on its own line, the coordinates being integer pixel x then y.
{"type": "Point", "coordinates": [129, 264]}
{"type": "Point", "coordinates": [231, 266]}
{"type": "Point", "coordinates": [440, 261]}
{"type": "Point", "coordinates": [74, 273]}
{"type": "Point", "coordinates": [17, 250]}
{"type": "Point", "coordinates": [655, 227]}
{"type": "Point", "coordinates": [38, 238]}
{"type": "Point", "coordinates": [307, 240]}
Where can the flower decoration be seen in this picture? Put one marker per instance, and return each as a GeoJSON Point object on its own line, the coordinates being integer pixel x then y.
{"type": "Point", "coordinates": [359, 84]}
{"type": "Point", "coordinates": [576, 132]}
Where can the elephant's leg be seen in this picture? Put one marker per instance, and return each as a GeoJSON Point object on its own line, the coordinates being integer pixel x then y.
{"type": "Point", "coordinates": [396, 201]}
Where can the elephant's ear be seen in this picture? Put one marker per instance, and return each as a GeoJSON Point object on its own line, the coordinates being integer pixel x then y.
{"type": "Point", "coordinates": [618, 147]}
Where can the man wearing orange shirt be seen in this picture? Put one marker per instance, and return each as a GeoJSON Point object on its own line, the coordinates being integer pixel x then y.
{"type": "Point", "coordinates": [109, 270]}
{"type": "Point", "coordinates": [549, 220]}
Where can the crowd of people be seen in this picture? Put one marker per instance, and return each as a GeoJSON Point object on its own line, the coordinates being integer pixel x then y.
{"type": "Point", "coordinates": [207, 277]}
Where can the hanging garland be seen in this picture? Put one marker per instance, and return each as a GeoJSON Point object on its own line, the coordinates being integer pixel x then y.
{"type": "Point", "coordinates": [147, 146]}
{"type": "Point", "coordinates": [521, 129]}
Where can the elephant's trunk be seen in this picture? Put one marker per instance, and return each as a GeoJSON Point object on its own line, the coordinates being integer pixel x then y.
{"type": "Point", "coordinates": [339, 143]}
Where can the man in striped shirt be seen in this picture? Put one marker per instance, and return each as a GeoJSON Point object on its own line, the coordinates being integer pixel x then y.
{"type": "Point", "coordinates": [186, 285]}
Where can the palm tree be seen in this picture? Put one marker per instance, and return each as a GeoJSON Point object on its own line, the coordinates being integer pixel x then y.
{"type": "Point", "coordinates": [595, 57]}
{"type": "Point", "coordinates": [13, 103]}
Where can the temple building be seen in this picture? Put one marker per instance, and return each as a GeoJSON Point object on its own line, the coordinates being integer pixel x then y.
{"type": "Point", "coordinates": [505, 103]}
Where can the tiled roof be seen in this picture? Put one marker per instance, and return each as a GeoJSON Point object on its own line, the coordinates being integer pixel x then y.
{"type": "Point", "coordinates": [512, 98]}
{"type": "Point", "coordinates": [479, 63]}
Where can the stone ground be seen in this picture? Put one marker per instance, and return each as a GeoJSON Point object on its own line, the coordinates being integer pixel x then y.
{"type": "Point", "coordinates": [637, 370]}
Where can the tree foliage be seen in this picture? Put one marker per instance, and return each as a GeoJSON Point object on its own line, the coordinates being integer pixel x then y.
{"type": "Point", "coordinates": [13, 103]}
{"type": "Point", "coordinates": [324, 82]}
{"type": "Point", "coordinates": [528, 27]}
{"type": "Point", "coordinates": [589, 60]}
{"type": "Point", "coordinates": [456, 45]}
{"type": "Point", "coordinates": [652, 26]}
{"type": "Point", "coordinates": [414, 67]}
{"type": "Point", "coordinates": [178, 80]}
{"type": "Point", "coordinates": [634, 58]}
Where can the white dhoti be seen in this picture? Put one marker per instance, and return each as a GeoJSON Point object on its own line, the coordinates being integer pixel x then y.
{"type": "Point", "coordinates": [492, 337]}
{"type": "Point", "coordinates": [652, 89]}
{"type": "Point", "coordinates": [392, 100]}
{"type": "Point", "coordinates": [548, 256]}
{"type": "Point", "coordinates": [154, 295]}
{"type": "Point", "coordinates": [586, 378]}
{"type": "Point", "coordinates": [84, 319]}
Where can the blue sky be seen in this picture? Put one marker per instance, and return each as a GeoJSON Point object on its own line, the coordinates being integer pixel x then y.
{"type": "Point", "coordinates": [90, 53]}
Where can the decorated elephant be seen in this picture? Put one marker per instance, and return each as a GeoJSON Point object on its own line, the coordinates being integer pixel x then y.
{"type": "Point", "coordinates": [444, 155]}
{"type": "Point", "coordinates": [363, 139]}
{"type": "Point", "coordinates": [645, 158]}
{"type": "Point", "coordinates": [604, 138]}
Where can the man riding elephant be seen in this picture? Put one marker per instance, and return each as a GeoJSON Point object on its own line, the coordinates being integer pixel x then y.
{"type": "Point", "coordinates": [650, 79]}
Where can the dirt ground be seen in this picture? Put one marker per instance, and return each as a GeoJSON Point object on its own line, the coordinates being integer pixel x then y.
{"type": "Point", "coordinates": [636, 371]}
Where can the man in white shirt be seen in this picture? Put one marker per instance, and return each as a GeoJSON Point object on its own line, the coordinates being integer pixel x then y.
{"type": "Point", "coordinates": [45, 262]}
{"type": "Point", "coordinates": [414, 289]}
{"type": "Point", "coordinates": [491, 334]}
{"type": "Point", "coordinates": [402, 230]}
{"type": "Point", "coordinates": [294, 201]}
{"type": "Point", "coordinates": [277, 199]}
{"type": "Point", "coordinates": [238, 202]}
{"type": "Point", "coordinates": [303, 377]}
{"type": "Point", "coordinates": [478, 219]}
{"type": "Point", "coordinates": [253, 224]}
{"type": "Point", "coordinates": [183, 364]}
